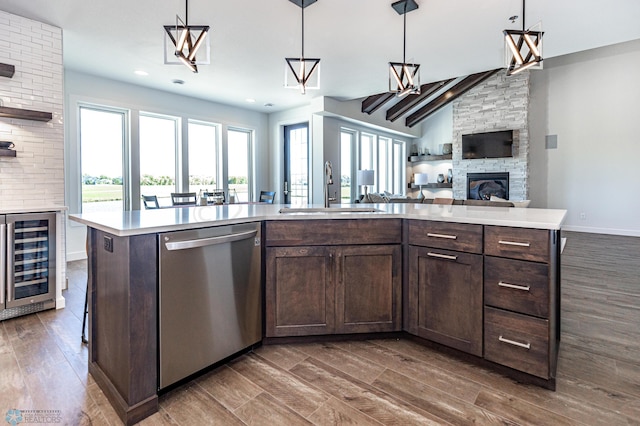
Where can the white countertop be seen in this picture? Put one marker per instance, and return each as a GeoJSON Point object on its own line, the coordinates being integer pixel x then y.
{"type": "Point", "coordinates": [39, 209]}
{"type": "Point", "coordinates": [140, 222]}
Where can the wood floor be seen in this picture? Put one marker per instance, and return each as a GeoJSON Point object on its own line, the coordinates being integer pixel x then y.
{"type": "Point", "coordinates": [43, 366]}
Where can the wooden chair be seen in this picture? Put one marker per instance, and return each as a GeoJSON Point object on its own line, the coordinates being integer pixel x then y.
{"type": "Point", "coordinates": [267, 197]}
{"type": "Point", "coordinates": [150, 202]}
{"type": "Point", "coordinates": [183, 198]}
{"type": "Point", "coordinates": [444, 201]}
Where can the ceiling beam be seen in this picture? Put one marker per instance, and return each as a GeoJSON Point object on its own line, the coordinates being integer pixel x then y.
{"type": "Point", "coordinates": [454, 92]}
{"type": "Point", "coordinates": [372, 103]}
{"type": "Point", "coordinates": [411, 101]}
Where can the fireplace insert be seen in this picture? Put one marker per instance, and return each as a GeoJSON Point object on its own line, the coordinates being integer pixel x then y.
{"type": "Point", "coordinates": [481, 186]}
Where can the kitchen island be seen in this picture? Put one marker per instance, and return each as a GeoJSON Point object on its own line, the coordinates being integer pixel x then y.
{"type": "Point", "coordinates": [427, 266]}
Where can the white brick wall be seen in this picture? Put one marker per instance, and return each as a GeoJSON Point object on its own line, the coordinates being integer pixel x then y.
{"type": "Point", "coordinates": [35, 177]}
{"type": "Point", "coordinates": [499, 103]}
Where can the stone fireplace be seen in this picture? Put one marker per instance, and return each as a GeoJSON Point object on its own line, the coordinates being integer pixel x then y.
{"type": "Point", "coordinates": [481, 186]}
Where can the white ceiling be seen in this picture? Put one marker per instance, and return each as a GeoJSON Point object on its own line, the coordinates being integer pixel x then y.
{"type": "Point", "coordinates": [355, 40]}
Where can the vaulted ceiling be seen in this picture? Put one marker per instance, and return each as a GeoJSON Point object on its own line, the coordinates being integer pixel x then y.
{"type": "Point", "coordinates": [355, 40]}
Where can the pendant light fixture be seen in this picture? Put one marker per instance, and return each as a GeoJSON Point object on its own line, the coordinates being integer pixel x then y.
{"type": "Point", "coordinates": [523, 48]}
{"type": "Point", "coordinates": [299, 72]}
{"type": "Point", "coordinates": [404, 78]}
{"type": "Point", "coordinates": [186, 42]}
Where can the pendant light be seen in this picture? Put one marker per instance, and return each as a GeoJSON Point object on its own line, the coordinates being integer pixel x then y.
{"type": "Point", "coordinates": [404, 78]}
{"type": "Point", "coordinates": [523, 48]}
{"type": "Point", "coordinates": [186, 42]}
{"type": "Point", "coordinates": [299, 72]}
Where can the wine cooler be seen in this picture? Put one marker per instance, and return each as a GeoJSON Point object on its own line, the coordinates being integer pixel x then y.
{"type": "Point", "coordinates": [27, 263]}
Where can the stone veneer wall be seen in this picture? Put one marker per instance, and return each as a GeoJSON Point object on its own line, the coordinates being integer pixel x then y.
{"type": "Point", "coordinates": [499, 103]}
{"type": "Point", "coordinates": [35, 177]}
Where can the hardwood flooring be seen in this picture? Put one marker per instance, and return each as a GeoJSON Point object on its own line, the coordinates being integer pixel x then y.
{"type": "Point", "coordinates": [43, 366]}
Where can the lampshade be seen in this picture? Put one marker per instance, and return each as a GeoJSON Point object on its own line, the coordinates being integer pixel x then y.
{"type": "Point", "coordinates": [365, 177]}
{"type": "Point", "coordinates": [421, 179]}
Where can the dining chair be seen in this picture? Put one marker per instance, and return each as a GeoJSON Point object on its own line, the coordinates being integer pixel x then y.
{"type": "Point", "coordinates": [183, 198]}
{"type": "Point", "coordinates": [150, 202]}
{"type": "Point", "coordinates": [267, 197]}
{"type": "Point", "coordinates": [445, 201]}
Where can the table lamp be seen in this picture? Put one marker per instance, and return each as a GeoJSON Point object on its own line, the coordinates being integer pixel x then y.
{"type": "Point", "coordinates": [421, 179]}
{"type": "Point", "coordinates": [365, 178]}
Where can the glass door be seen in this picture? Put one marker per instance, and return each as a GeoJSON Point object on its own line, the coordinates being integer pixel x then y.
{"type": "Point", "coordinates": [296, 164]}
{"type": "Point", "coordinates": [31, 258]}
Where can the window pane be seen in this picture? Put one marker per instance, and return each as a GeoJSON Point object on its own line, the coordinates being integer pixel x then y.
{"type": "Point", "coordinates": [238, 163]}
{"type": "Point", "coordinates": [203, 157]}
{"type": "Point", "coordinates": [299, 164]}
{"type": "Point", "coordinates": [101, 142]}
{"type": "Point", "coordinates": [346, 139]}
{"type": "Point", "coordinates": [399, 168]}
{"type": "Point", "coordinates": [384, 174]}
{"type": "Point", "coordinates": [158, 157]}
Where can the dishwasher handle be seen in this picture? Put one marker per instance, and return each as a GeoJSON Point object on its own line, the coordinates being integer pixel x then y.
{"type": "Point", "coordinates": [210, 241]}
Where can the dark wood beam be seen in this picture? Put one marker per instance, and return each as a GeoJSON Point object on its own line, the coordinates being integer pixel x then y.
{"type": "Point", "coordinates": [372, 103]}
{"type": "Point", "coordinates": [445, 98]}
{"type": "Point", "coordinates": [7, 70]}
{"type": "Point", "coordinates": [25, 114]}
{"type": "Point", "coordinates": [411, 101]}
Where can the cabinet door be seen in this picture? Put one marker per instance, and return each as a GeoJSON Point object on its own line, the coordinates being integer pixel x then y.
{"type": "Point", "coordinates": [299, 291]}
{"type": "Point", "coordinates": [447, 289]}
{"type": "Point", "coordinates": [368, 289]}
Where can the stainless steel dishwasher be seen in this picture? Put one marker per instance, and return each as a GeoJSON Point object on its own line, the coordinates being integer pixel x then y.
{"type": "Point", "coordinates": [210, 298]}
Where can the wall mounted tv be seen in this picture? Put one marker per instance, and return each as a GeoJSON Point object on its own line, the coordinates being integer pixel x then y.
{"type": "Point", "coordinates": [488, 145]}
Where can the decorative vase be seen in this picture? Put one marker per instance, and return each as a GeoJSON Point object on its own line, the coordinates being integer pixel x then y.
{"type": "Point", "coordinates": [440, 178]}
{"type": "Point", "coordinates": [450, 176]}
{"type": "Point", "coordinates": [447, 148]}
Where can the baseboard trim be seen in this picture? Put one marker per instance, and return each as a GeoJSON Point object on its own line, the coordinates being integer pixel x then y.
{"type": "Point", "coordinates": [609, 231]}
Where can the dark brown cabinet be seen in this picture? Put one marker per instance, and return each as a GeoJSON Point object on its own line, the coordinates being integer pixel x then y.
{"type": "Point", "coordinates": [317, 289]}
{"type": "Point", "coordinates": [445, 286]}
{"type": "Point", "coordinates": [521, 296]}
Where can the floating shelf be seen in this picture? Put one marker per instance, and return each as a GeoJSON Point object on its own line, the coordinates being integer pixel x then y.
{"type": "Point", "coordinates": [420, 158]}
{"type": "Point", "coordinates": [7, 153]}
{"type": "Point", "coordinates": [431, 185]}
{"type": "Point", "coordinates": [25, 114]}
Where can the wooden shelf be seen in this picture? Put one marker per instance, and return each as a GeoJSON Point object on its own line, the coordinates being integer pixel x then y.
{"type": "Point", "coordinates": [431, 185]}
{"type": "Point", "coordinates": [420, 158]}
{"type": "Point", "coordinates": [25, 114]}
{"type": "Point", "coordinates": [7, 153]}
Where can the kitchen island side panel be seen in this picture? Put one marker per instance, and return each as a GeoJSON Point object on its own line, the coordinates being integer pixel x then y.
{"type": "Point", "coordinates": [123, 322]}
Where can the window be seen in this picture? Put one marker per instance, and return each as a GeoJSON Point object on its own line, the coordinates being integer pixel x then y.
{"type": "Point", "coordinates": [296, 163]}
{"type": "Point", "coordinates": [158, 142]}
{"type": "Point", "coordinates": [239, 163]}
{"type": "Point", "coordinates": [203, 157]}
{"type": "Point", "coordinates": [102, 140]}
{"type": "Point", "coordinates": [348, 188]}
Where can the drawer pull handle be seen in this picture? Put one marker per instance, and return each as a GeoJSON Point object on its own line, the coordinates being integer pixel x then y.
{"type": "Point", "coordinates": [514, 343]}
{"type": "Point", "coordinates": [514, 286]}
{"type": "Point", "coordinates": [514, 243]}
{"type": "Point", "coordinates": [442, 256]}
{"type": "Point", "coordinates": [448, 237]}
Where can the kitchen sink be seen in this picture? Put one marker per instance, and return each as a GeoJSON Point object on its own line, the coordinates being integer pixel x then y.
{"type": "Point", "coordinates": [329, 210]}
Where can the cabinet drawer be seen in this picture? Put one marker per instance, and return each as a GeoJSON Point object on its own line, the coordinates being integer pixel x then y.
{"type": "Point", "coordinates": [517, 341]}
{"type": "Point", "coordinates": [517, 243]}
{"type": "Point", "coordinates": [517, 285]}
{"type": "Point", "coordinates": [446, 235]}
{"type": "Point", "coordinates": [325, 232]}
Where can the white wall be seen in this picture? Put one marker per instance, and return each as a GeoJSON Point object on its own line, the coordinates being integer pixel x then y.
{"type": "Point", "coordinates": [590, 101]}
{"type": "Point", "coordinates": [91, 89]}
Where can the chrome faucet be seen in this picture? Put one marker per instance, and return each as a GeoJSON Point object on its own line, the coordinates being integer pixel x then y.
{"type": "Point", "coordinates": [328, 180]}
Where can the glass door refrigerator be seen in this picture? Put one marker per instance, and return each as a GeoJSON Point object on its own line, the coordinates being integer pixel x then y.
{"type": "Point", "coordinates": [27, 263]}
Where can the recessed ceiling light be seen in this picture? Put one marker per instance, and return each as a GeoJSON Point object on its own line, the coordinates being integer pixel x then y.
{"type": "Point", "coordinates": [250, 100]}
{"type": "Point", "coordinates": [177, 81]}
{"type": "Point", "coordinates": [140, 72]}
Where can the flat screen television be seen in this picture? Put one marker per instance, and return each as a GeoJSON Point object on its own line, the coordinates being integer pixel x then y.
{"type": "Point", "coordinates": [488, 145]}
